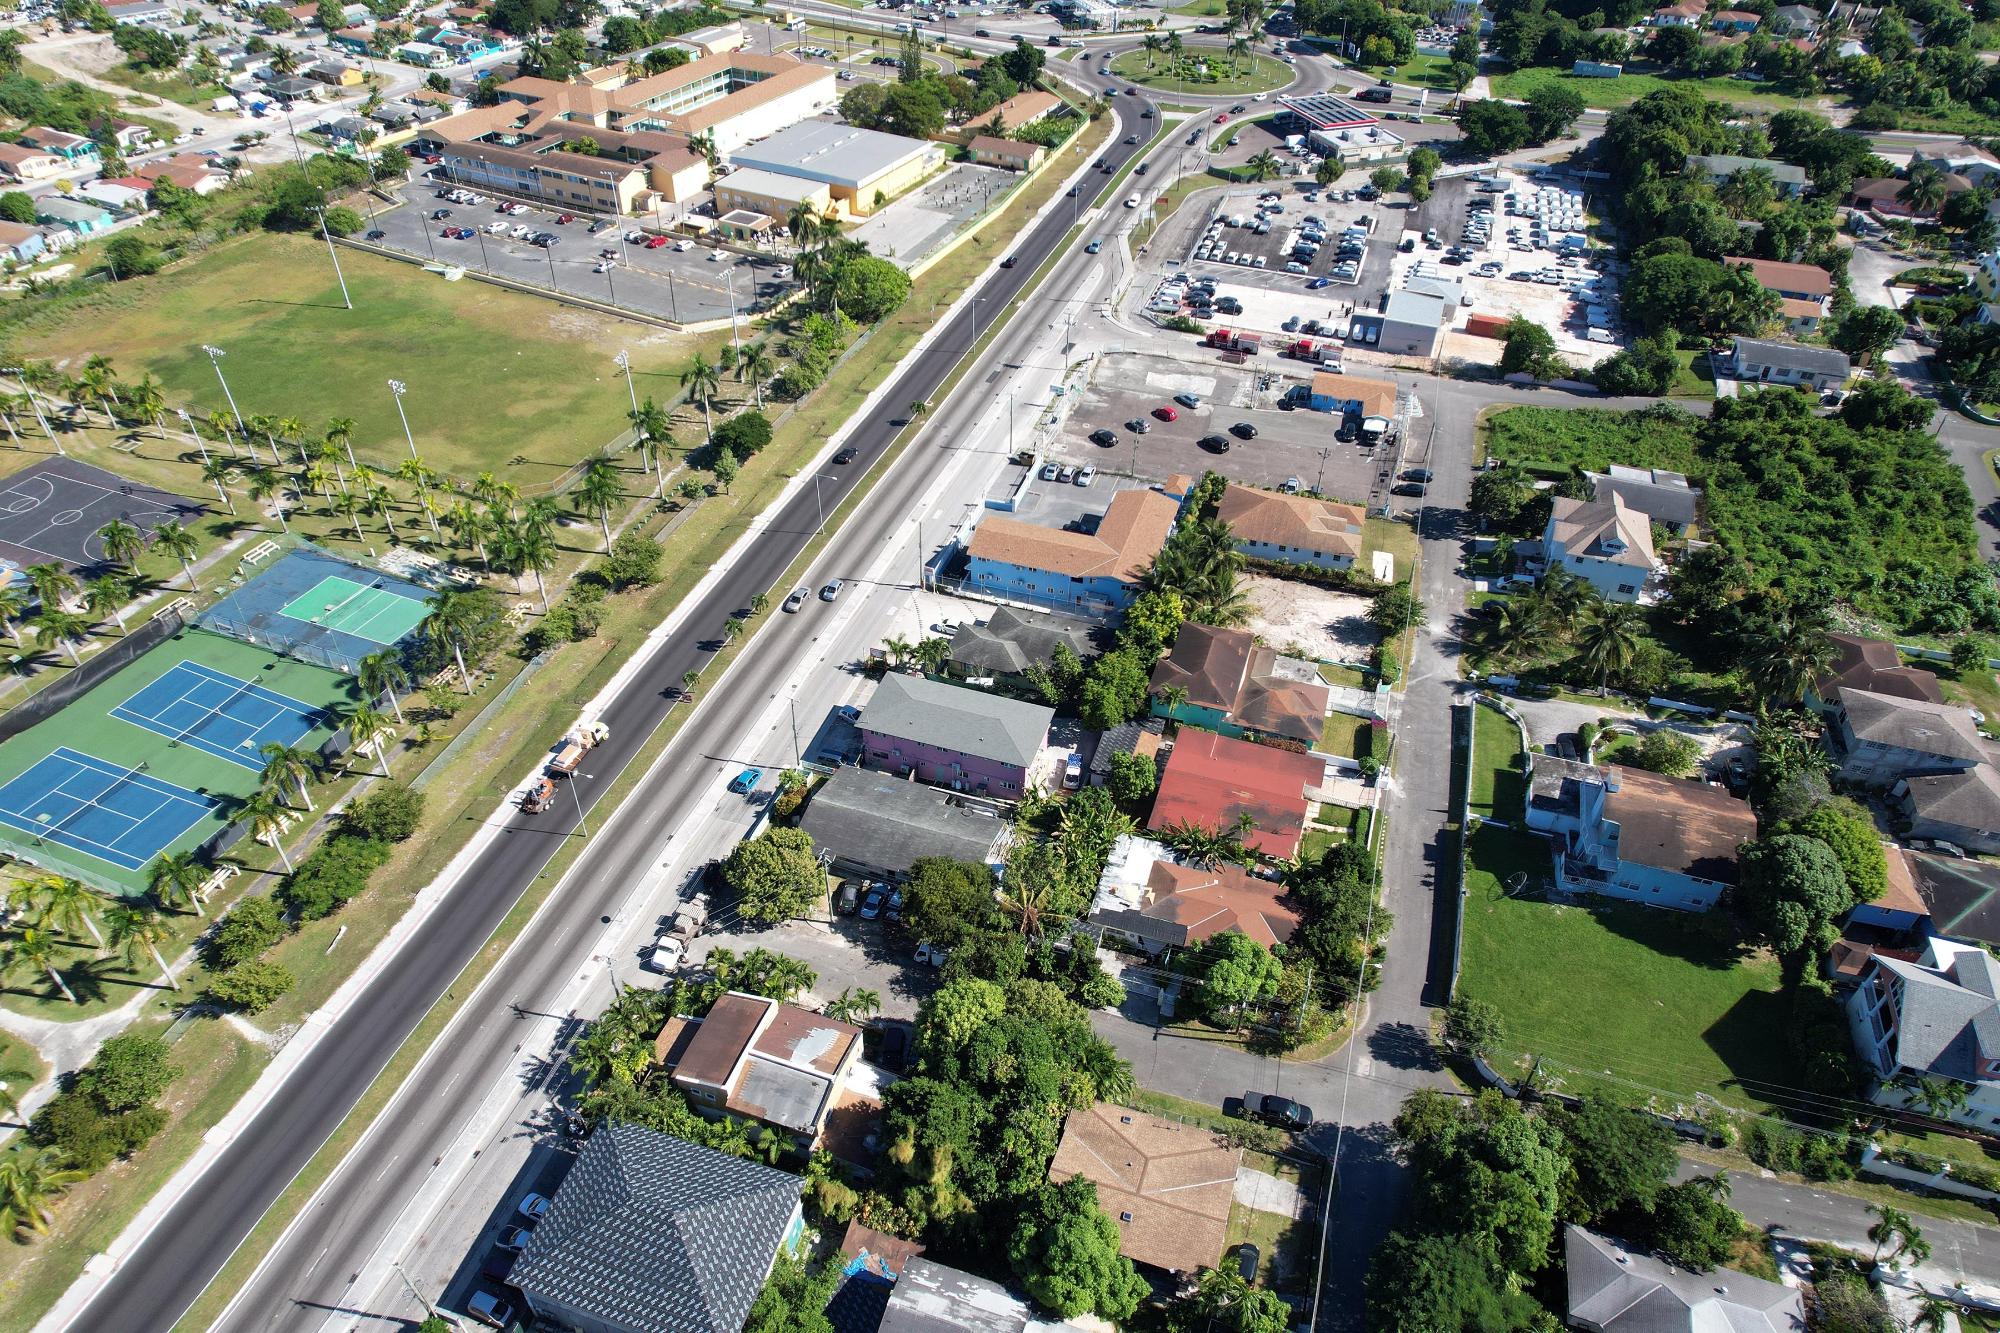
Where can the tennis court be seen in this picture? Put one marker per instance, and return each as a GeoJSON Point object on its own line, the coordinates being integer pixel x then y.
{"type": "Point", "coordinates": [102, 809]}
{"type": "Point", "coordinates": [211, 710]}
{"type": "Point", "coordinates": [378, 614]}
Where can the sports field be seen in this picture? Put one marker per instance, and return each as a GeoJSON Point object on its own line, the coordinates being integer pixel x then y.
{"type": "Point", "coordinates": [159, 757]}
{"type": "Point", "coordinates": [498, 381]}
{"type": "Point", "coordinates": [375, 614]}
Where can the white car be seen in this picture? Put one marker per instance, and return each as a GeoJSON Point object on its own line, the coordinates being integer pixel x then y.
{"type": "Point", "coordinates": [522, 233]}
{"type": "Point", "coordinates": [604, 266]}
{"type": "Point", "coordinates": [495, 228]}
{"type": "Point", "coordinates": [683, 244]}
{"type": "Point", "coordinates": [635, 238]}
{"type": "Point", "coordinates": [665, 954]}
{"type": "Point", "coordinates": [1131, 201]}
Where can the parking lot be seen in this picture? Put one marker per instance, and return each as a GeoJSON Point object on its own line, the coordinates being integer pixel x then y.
{"type": "Point", "coordinates": [687, 286]}
{"type": "Point", "coordinates": [1286, 445]}
{"type": "Point", "coordinates": [926, 218]}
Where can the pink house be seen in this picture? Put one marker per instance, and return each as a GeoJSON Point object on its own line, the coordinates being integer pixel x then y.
{"type": "Point", "coordinates": [959, 738]}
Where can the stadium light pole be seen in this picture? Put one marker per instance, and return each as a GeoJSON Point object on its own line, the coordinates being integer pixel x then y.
{"type": "Point", "coordinates": [338, 276]}
{"type": "Point", "coordinates": [397, 389]}
{"type": "Point", "coordinates": [624, 362]}
{"type": "Point", "coordinates": [187, 419]}
{"type": "Point", "coordinates": [21, 374]}
{"type": "Point", "coordinates": [729, 280]}
{"type": "Point", "coordinates": [215, 355]}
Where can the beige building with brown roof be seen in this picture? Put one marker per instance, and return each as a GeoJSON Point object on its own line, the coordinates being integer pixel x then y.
{"type": "Point", "coordinates": [1292, 529]}
{"type": "Point", "coordinates": [777, 1064]}
{"type": "Point", "coordinates": [1095, 572]}
{"type": "Point", "coordinates": [1020, 109]}
{"type": "Point", "coordinates": [990, 151]}
{"type": "Point", "coordinates": [1167, 1185]}
{"type": "Point", "coordinates": [1225, 681]}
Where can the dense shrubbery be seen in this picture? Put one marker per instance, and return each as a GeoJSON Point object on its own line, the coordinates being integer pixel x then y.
{"type": "Point", "coordinates": [108, 1109]}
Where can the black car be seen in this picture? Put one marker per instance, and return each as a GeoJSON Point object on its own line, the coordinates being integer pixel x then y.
{"type": "Point", "coordinates": [377, 235]}
{"type": "Point", "coordinates": [1243, 430]}
{"type": "Point", "coordinates": [1103, 437]}
{"type": "Point", "coordinates": [1215, 444]}
{"type": "Point", "coordinates": [1349, 432]}
{"type": "Point", "coordinates": [844, 456]}
{"type": "Point", "coordinates": [1008, 262]}
{"type": "Point", "coordinates": [891, 1043]}
{"type": "Point", "coordinates": [1417, 474]}
{"type": "Point", "coordinates": [1142, 169]}
{"type": "Point", "coordinates": [1192, 137]}
{"type": "Point", "coordinates": [1275, 1110]}
{"type": "Point", "coordinates": [1147, 114]}
{"type": "Point", "coordinates": [1415, 488]}
{"type": "Point", "coordinates": [1137, 425]}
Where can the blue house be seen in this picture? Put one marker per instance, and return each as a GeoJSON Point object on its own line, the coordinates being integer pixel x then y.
{"type": "Point", "coordinates": [1626, 833]}
{"type": "Point", "coordinates": [1093, 572]}
{"type": "Point", "coordinates": [22, 245]}
{"type": "Point", "coordinates": [78, 215]}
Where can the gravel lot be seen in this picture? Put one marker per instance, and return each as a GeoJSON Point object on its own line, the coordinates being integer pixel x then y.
{"type": "Point", "coordinates": [1308, 621]}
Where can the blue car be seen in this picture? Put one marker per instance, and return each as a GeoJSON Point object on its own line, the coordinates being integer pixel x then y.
{"type": "Point", "coordinates": [746, 781]}
{"type": "Point", "coordinates": [1318, 283]}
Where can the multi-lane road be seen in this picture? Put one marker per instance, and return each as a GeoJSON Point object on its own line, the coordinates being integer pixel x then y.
{"type": "Point", "coordinates": [168, 1270]}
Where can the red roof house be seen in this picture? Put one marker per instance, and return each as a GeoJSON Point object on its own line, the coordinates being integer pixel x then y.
{"type": "Point", "coordinates": [1210, 780]}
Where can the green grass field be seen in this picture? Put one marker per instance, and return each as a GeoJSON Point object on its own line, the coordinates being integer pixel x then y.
{"type": "Point", "coordinates": [1254, 73]}
{"type": "Point", "coordinates": [88, 727]}
{"type": "Point", "coordinates": [1424, 71]}
{"type": "Point", "coordinates": [498, 381]}
{"type": "Point", "coordinates": [1499, 780]}
{"type": "Point", "coordinates": [174, 88]}
{"type": "Point", "coordinates": [1609, 94]}
{"type": "Point", "coordinates": [1641, 999]}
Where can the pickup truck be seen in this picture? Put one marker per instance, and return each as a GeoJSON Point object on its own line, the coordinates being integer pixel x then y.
{"type": "Point", "coordinates": [536, 799]}
{"type": "Point", "coordinates": [574, 747]}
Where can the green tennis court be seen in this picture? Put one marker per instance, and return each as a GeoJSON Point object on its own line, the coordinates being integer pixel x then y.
{"type": "Point", "coordinates": [376, 614]}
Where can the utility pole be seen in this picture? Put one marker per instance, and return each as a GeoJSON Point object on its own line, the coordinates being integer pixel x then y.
{"type": "Point", "coordinates": [215, 355]}
{"type": "Point", "coordinates": [1320, 476]}
{"type": "Point", "coordinates": [397, 389]}
{"type": "Point", "coordinates": [422, 1300]}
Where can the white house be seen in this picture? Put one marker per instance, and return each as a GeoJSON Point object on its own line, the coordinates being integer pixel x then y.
{"type": "Point", "coordinates": [1627, 833]}
{"type": "Point", "coordinates": [1935, 1018]}
{"type": "Point", "coordinates": [1788, 363]}
{"type": "Point", "coordinates": [1604, 543]}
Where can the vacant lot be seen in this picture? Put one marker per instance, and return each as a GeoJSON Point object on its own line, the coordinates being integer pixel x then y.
{"type": "Point", "coordinates": [1630, 87]}
{"type": "Point", "coordinates": [1648, 1002]}
{"type": "Point", "coordinates": [498, 381]}
{"type": "Point", "coordinates": [1499, 776]}
{"type": "Point", "coordinates": [1308, 621]}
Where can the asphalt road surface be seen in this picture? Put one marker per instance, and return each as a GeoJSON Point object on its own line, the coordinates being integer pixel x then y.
{"type": "Point", "coordinates": [169, 1270]}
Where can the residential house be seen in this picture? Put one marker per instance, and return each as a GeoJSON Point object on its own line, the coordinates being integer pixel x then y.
{"type": "Point", "coordinates": [1787, 363]}
{"type": "Point", "coordinates": [21, 244]}
{"type": "Point", "coordinates": [1626, 833]}
{"type": "Point", "coordinates": [1961, 808]}
{"type": "Point", "coordinates": [1935, 1018]}
{"type": "Point", "coordinates": [779, 1065]}
{"type": "Point", "coordinates": [1963, 158]}
{"type": "Point", "coordinates": [1604, 543]}
{"type": "Point", "coordinates": [1662, 497]}
{"type": "Point", "coordinates": [1412, 322]}
{"type": "Point", "coordinates": [649, 1233]}
{"type": "Point", "coordinates": [1882, 194]}
{"type": "Point", "coordinates": [424, 55]}
{"type": "Point", "coordinates": [1224, 680]}
{"type": "Point", "coordinates": [334, 73]}
{"type": "Point", "coordinates": [347, 129]}
{"type": "Point", "coordinates": [143, 14]}
{"type": "Point", "coordinates": [1168, 1185]}
{"type": "Point", "coordinates": [21, 163]}
{"type": "Point", "coordinates": [1685, 14]}
{"type": "Point", "coordinates": [127, 136]}
{"type": "Point", "coordinates": [953, 737]}
{"type": "Point", "coordinates": [1804, 291]}
{"type": "Point", "coordinates": [74, 149]}
{"type": "Point", "coordinates": [355, 41]}
{"type": "Point", "coordinates": [78, 215]}
{"type": "Point", "coordinates": [877, 826]}
{"type": "Point", "coordinates": [1149, 899]}
{"type": "Point", "coordinates": [929, 1297]}
{"type": "Point", "coordinates": [189, 171]}
{"type": "Point", "coordinates": [1096, 572]}
{"type": "Point", "coordinates": [290, 88]}
{"type": "Point", "coordinates": [1351, 395]}
{"type": "Point", "coordinates": [1797, 20]}
{"type": "Point", "coordinates": [394, 115]}
{"type": "Point", "coordinates": [115, 195]}
{"type": "Point", "coordinates": [1012, 639]}
{"type": "Point", "coordinates": [1715, 168]}
{"type": "Point", "coordinates": [1011, 154]}
{"type": "Point", "coordinates": [1876, 739]}
{"type": "Point", "coordinates": [1873, 665]}
{"type": "Point", "coordinates": [1986, 282]}
{"type": "Point", "coordinates": [1214, 781]}
{"type": "Point", "coordinates": [1020, 110]}
{"type": "Point", "coordinates": [1735, 20]}
{"type": "Point", "coordinates": [1616, 1290]}
{"type": "Point", "coordinates": [1142, 737]}
{"type": "Point", "coordinates": [1292, 529]}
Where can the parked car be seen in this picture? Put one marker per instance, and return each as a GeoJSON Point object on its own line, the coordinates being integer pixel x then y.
{"type": "Point", "coordinates": [871, 906]}
{"type": "Point", "coordinates": [1243, 430]}
{"type": "Point", "coordinates": [490, 1310]}
{"type": "Point", "coordinates": [1188, 400]}
{"type": "Point", "coordinates": [664, 954]}
{"type": "Point", "coordinates": [533, 1206]}
{"type": "Point", "coordinates": [1085, 475]}
{"type": "Point", "coordinates": [1215, 444]}
{"type": "Point", "coordinates": [1101, 436]}
{"type": "Point", "coordinates": [891, 1041]}
{"type": "Point", "coordinates": [1137, 425]}
{"type": "Point", "coordinates": [513, 1238]}
{"type": "Point", "coordinates": [1275, 1110]}
{"type": "Point", "coordinates": [848, 901]}
{"type": "Point", "coordinates": [1417, 474]}
{"type": "Point", "coordinates": [1166, 414]}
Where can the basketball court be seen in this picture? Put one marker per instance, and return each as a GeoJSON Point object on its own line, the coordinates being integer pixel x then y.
{"type": "Point", "coordinates": [52, 511]}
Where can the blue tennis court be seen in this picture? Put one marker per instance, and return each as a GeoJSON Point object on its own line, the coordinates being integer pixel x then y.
{"type": "Point", "coordinates": [101, 809]}
{"type": "Point", "coordinates": [213, 711]}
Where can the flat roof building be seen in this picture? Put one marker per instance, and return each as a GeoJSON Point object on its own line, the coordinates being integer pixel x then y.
{"type": "Point", "coordinates": [861, 168]}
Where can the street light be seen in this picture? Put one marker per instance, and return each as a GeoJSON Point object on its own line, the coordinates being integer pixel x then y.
{"type": "Point", "coordinates": [624, 362]}
{"type": "Point", "coordinates": [817, 476]}
{"type": "Point", "coordinates": [339, 277]}
{"type": "Point", "coordinates": [581, 822]}
{"type": "Point", "coordinates": [397, 388]}
{"type": "Point", "coordinates": [215, 355]}
{"type": "Point", "coordinates": [729, 280]}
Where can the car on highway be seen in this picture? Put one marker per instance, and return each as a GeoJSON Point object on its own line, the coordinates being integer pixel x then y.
{"type": "Point", "coordinates": [1138, 426]}
{"type": "Point", "coordinates": [1165, 413]}
{"type": "Point", "coordinates": [832, 590]}
{"type": "Point", "coordinates": [846, 455]}
{"type": "Point", "coordinates": [490, 1310]}
{"type": "Point", "coordinates": [1275, 1110]}
{"type": "Point", "coordinates": [533, 1206]}
{"type": "Point", "coordinates": [1131, 139]}
{"type": "Point", "coordinates": [1093, 247]}
{"type": "Point", "coordinates": [1100, 436]}
{"type": "Point", "coordinates": [1131, 201]}
{"type": "Point", "coordinates": [796, 600]}
{"type": "Point", "coordinates": [1215, 444]}
{"type": "Point", "coordinates": [1243, 430]}
{"type": "Point", "coordinates": [746, 781]}
{"type": "Point", "coordinates": [1008, 262]}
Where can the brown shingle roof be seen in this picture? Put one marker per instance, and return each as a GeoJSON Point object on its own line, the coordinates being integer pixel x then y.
{"type": "Point", "coordinates": [1020, 109]}
{"type": "Point", "coordinates": [1679, 825]}
{"type": "Point", "coordinates": [1168, 1186]}
{"type": "Point", "coordinates": [711, 1055]}
{"type": "Point", "coordinates": [800, 1036]}
{"type": "Point", "coordinates": [1133, 530]}
{"type": "Point", "coordinates": [1782, 277]}
{"type": "Point", "coordinates": [1377, 397]}
{"type": "Point", "coordinates": [1208, 902]}
{"type": "Point", "coordinates": [1297, 521]}
{"type": "Point", "coordinates": [1228, 669]}
{"type": "Point", "coordinates": [1875, 665]}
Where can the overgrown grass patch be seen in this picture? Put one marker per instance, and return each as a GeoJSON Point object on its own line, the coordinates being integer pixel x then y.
{"type": "Point", "coordinates": [1499, 767]}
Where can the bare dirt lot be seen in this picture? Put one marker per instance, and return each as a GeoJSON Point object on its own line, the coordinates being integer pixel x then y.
{"type": "Point", "coordinates": [1305, 621]}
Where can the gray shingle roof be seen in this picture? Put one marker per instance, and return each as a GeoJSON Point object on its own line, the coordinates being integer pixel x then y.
{"type": "Point", "coordinates": [1725, 164]}
{"type": "Point", "coordinates": [1613, 1290]}
{"type": "Point", "coordinates": [658, 1235]}
{"type": "Point", "coordinates": [1665, 497]}
{"type": "Point", "coordinates": [968, 722]}
{"type": "Point", "coordinates": [1948, 1017]}
{"type": "Point", "coordinates": [1793, 356]}
{"type": "Point", "coordinates": [886, 823]}
{"type": "Point", "coordinates": [1010, 639]}
{"type": "Point", "coordinates": [1912, 724]}
{"type": "Point", "coordinates": [1970, 799]}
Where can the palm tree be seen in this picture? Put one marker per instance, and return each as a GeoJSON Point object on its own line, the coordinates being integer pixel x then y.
{"type": "Point", "coordinates": [179, 543]}
{"type": "Point", "coordinates": [58, 627]}
{"type": "Point", "coordinates": [1786, 657]}
{"type": "Point", "coordinates": [419, 474]}
{"type": "Point", "coordinates": [1515, 628]}
{"type": "Point", "coordinates": [53, 584]}
{"type": "Point", "coordinates": [470, 527]}
{"type": "Point", "coordinates": [701, 380]}
{"type": "Point", "coordinates": [754, 365]}
{"type": "Point", "coordinates": [652, 429]}
{"type": "Point", "coordinates": [177, 878]}
{"type": "Point", "coordinates": [1898, 1230]}
{"type": "Point", "coordinates": [289, 763]}
{"type": "Point", "coordinates": [1024, 901]}
{"type": "Point", "coordinates": [1925, 189]}
{"type": "Point", "coordinates": [35, 949]}
{"type": "Point", "coordinates": [382, 673]}
{"type": "Point", "coordinates": [12, 603]}
{"type": "Point", "coordinates": [854, 1005]}
{"type": "Point", "coordinates": [494, 493]}
{"type": "Point", "coordinates": [340, 431]}
{"type": "Point", "coordinates": [267, 823]}
{"type": "Point", "coordinates": [1610, 639]}
{"type": "Point", "coordinates": [1151, 44]}
{"type": "Point", "coordinates": [120, 542]}
{"type": "Point", "coordinates": [352, 505]}
{"type": "Point", "coordinates": [1200, 845]}
{"type": "Point", "coordinates": [449, 620]}
{"type": "Point", "coordinates": [1934, 1313]}
{"type": "Point", "coordinates": [369, 730]}
{"type": "Point", "coordinates": [381, 500]}
{"type": "Point", "coordinates": [213, 471]}
{"type": "Point", "coordinates": [106, 595]}
{"type": "Point", "coordinates": [28, 1181]}
{"type": "Point", "coordinates": [598, 492]}
{"type": "Point", "coordinates": [135, 925]}
{"type": "Point", "coordinates": [267, 481]}
{"type": "Point", "coordinates": [1263, 166]}
{"type": "Point", "coordinates": [103, 381]}
{"type": "Point", "coordinates": [223, 426]}
{"type": "Point", "coordinates": [533, 548]}
{"type": "Point", "coordinates": [66, 904]}
{"type": "Point", "coordinates": [293, 430]}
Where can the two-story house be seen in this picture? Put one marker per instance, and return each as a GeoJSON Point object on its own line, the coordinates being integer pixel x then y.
{"type": "Point", "coordinates": [1225, 681]}
{"type": "Point", "coordinates": [1008, 642]}
{"type": "Point", "coordinates": [1292, 529]}
{"type": "Point", "coordinates": [1095, 572]}
{"type": "Point", "coordinates": [1604, 543]}
{"type": "Point", "coordinates": [778, 1065]}
{"type": "Point", "coordinates": [1937, 1017]}
{"type": "Point", "coordinates": [953, 737]}
{"type": "Point", "coordinates": [1627, 833]}
{"type": "Point", "coordinates": [1666, 498]}
{"type": "Point", "coordinates": [1221, 783]}
{"type": "Point", "coordinates": [1875, 739]}
{"type": "Point", "coordinates": [1804, 291]}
